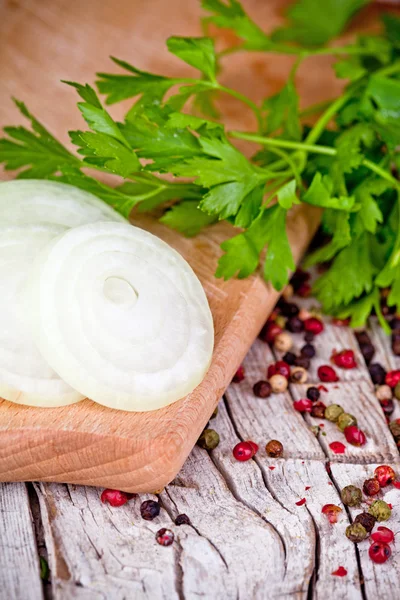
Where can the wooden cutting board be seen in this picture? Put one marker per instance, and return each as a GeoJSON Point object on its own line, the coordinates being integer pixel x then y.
{"type": "Point", "coordinates": [42, 41]}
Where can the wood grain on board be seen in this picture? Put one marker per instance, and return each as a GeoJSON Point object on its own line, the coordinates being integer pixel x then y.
{"type": "Point", "coordinates": [43, 41]}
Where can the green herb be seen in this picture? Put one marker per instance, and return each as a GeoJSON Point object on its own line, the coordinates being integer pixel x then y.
{"type": "Point", "coordinates": [188, 165]}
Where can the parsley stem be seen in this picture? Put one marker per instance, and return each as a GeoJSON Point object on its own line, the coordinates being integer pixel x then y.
{"type": "Point", "coordinates": [323, 121]}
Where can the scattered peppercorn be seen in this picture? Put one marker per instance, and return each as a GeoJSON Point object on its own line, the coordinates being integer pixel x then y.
{"type": "Point", "coordinates": [383, 535]}
{"type": "Point", "coordinates": [289, 358]}
{"type": "Point", "coordinates": [333, 412]}
{"type": "Point", "coordinates": [298, 375]}
{"type": "Point", "coordinates": [239, 375]}
{"type": "Point", "coordinates": [243, 451]}
{"type": "Point", "coordinates": [274, 449]}
{"type": "Point", "coordinates": [262, 389]}
{"type": "Point", "coordinates": [355, 436]}
{"type": "Point", "coordinates": [344, 359]}
{"type": "Point", "coordinates": [313, 393]}
{"type": "Point", "coordinates": [392, 378]}
{"type": "Point", "coordinates": [279, 368]}
{"type": "Point", "coordinates": [303, 405]}
{"type": "Point", "coordinates": [309, 337]}
{"type": "Point", "coordinates": [149, 509]}
{"type": "Point", "coordinates": [182, 520]}
{"type": "Point", "coordinates": [346, 420]}
{"type": "Point", "coordinates": [379, 553]}
{"type": "Point", "coordinates": [283, 341]}
{"type": "Point", "coordinates": [302, 361]}
{"type": "Point", "coordinates": [327, 374]}
{"type": "Point", "coordinates": [385, 475]}
{"type": "Point", "coordinates": [356, 532]}
{"type": "Point", "coordinates": [397, 391]}
{"type": "Point", "coordinates": [269, 332]}
{"type": "Point", "coordinates": [351, 495]}
{"type": "Point", "coordinates": [396, 342]}
{"type": "Point", "coordinates": [294, 325]}
{"type": "Point", "coordinates": [380, 510]}
{"type": "Point", "coordinates": [371, 487]}
{"type": "Point", "coordinates": [362, 337]}
{"type": "Point", "coordinates": [165, 537]}
{"type": "Point", "coordinates": [115, 497]}
{"type": "Point", "coordinates": [289, 309]}
{"type": "Point", "coordinates": [332, 512]}
{"type": "Point", "coordinates": [308, 351]}
{"type": "Point", "coordinates": [368, 351]}
{"type": "Point", "coordinates": [279, 383]}
{"type": "Point", "coordinates": [377, 373]}
{"type": "Point", "coordinates": [367, 521]}
{"type": "Point", "coordinates": [394, 427]}
{"type": "Point", "coordinates": [314, 325]}
{"type": "Point", "coordinates": [387, 406]}
{"type": "Point", "coordinates": [384, 392]}
{"type": "Point", "coordinates": [318, 410]}
{"type": "Point", "coordinates": [208, 440]}
{"type": "Point", "coordinates": [215, 413]}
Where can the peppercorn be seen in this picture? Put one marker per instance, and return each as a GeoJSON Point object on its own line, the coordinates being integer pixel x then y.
{"type": "Point", "coordinates": [362, 337]}
{"type": "Point", "coordinates": [344, 359]}
{"type": "Point", "coordinates": [355, 436]}
{"type": "Point", "coordinates": [283, 342]}
{"type": "Point", "coordinates": [279, 383]}
{"type": "Point", "coordinates": [396, 342]}
{"type": "Point", "coordinates": [333, 412]}
{"type": "Point", "coordinates": [302, 361]}
{"type": "Point", "coordinates": [299, 277]}
{"type": "Point", "coordinates": [371, 487]}
{"type": "Point", "coordinates": [308, 351]}
{"type": "Point", "coordinates": [367, 521]}
{"type": "Point", "coordinates": [351, 495]}
{"type": "Point", "coordinates": [149, 509]}
{"type": "Point", "coordinates": [346, 420]}
{"type": "Point", "coordinates": [182, 520]}
{"type": "Point", "coordinates": [215, 413]}
{"type": "Point", "coordinates": [208, 440]}
{"type": "Point", "coordinates": [368, 351]}
{"type": "Point", "coordinates": [289, 309]}
{"type": "Point", "coordinates": [262, 389]}
{"type": "Point", "coordinates": [377, 373]}
{"type": "Point", "coordinates": [356, 532]}
{"type": "Point", "coordinates": [289, 358]}
{"type": "Point", "coordinates": [274, 449]}
{"type": "Point", "coordinates": [387, 406]}
{"type": "Point", "coordinates": [278, 368]}
{"type": "Point", "coordinates": [269, 332]}
{"type": "Point", "coordinates": [318, 410]}
{"type": "Point", "coordinates": [385, 475]}
{"type": "Point", "coordinates": [379, 553]}
{"type": "Point", "coordinates": [394, 427]}
{"type": "Point", "coordinates": [309, 336]}
{"type": "Point", "coordinates": [298, 375]}
{"type": "Point", "coordinates": [397, 391]}
{"type": "Point", "coordinates": [165, 537]}
{"type": "Point", "coordinates": [327, 374]}
{"type": "Point", "coordinates": [239, 375]}
{"type": "Point", "coordinates": [395, 323]}
{"type": "Point", "coordinates": [383, 392]}
{"type": "Point", "coordinates": [380, 510]}
{"type": "Point", "coordinates": [295, 325]}
{"type": "Point", "coordinates": [313, 393]}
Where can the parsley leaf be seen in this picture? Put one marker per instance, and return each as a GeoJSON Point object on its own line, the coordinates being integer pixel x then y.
{"type": "Point", "coordinates": [282, 110]}
{"type": "Point", "coordinates": [187, 218]}
{"type": "Point", "coordinates": [197, 52]}
{"type": "Point", "coordinates": [242, 252]}
{"type": "Point", "coordinates": [320, 194]}
{"type": "Point", "coordinates": [351, 146]}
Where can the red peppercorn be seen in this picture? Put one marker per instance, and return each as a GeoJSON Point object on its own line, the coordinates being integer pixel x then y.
{"type": "Point", "coordinates": [344, 359]}
{"type": "Point", "coordinates": [383, 535]}
{"type": "Point", "coordinates": [239, 375]}
{"type": "Point", "coordinates": [115, 497]}
{"type": "Point", "coordinates": [379, 553]}
{"type": "Point", "coordinates": [303, 405]}
{"type": "Point", "coordinates": [332, 512]}
{"type": "Point", "coordinates": [279, 368]}
{"type": "Point", "coordinates": [270, 331]}
{"type": "Point", "coordinates": [371, 487]}
{"type": "Point", "coordinates": [314, 325]}
{"type": "Point", "coordinates": [243, 451]}
{"type": "Point", "coordinates": [254, 446]}
{"type": "Point", "coordinates": [355, 436]}
{"type": "Point", "coordinates": [304, 290]}
{"type": "Point", "coordinates": [337, 447]}
{"type": "Point", "coordinates": [327, 374]}
{"type": "Point", "coordinates": [165, 537]}
{"type": "Point", "coordinates": [385, 475]}
{"type": "Point", "coordinates": [392, 378]}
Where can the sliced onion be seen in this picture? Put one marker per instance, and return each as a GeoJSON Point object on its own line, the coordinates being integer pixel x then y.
{"type": "Point", "coordinates": [121, 316]}
{"type": "Point", "coordinates": [25, 377]}
{"type": "Point", "coordinates": [31, 201]}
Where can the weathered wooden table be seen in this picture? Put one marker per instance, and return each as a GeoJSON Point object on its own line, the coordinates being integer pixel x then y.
{"type": "Point", "coordinates": [248, 538]}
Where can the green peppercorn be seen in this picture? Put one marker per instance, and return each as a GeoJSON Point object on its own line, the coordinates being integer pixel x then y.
{"type": "Point", "coordinates": [356, 532]}
{"type": "Point", "coordinates": [397, 391]}
{"type": "Point", "coordinates": [351, 495]}
{"type": "Point", "coordinates": [215, 413]}
{"type": "Point", "coordinates": [346, 420]}
{"type": "Point", "coordinates": [333, 412]}
{"type": "Point", "coordinates": [380, 510]}
{"type": "Point", "coordinates": [367, 521]}
{"type": "Point", "coordinates": [395, 428]}
{"type": "Point", "coordinates": [208, 440]}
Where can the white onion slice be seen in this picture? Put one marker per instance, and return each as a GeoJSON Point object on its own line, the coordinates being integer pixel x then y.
{"type": "Point", "coordinates": [31, 201]}
{"type": "Point", "coordinates": [25, 377]}
{"type": "Point", "coordinates": [121, 316]}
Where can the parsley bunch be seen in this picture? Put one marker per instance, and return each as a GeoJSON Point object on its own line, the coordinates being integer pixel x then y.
{"type": "Point", "coordinates": [348, 168]}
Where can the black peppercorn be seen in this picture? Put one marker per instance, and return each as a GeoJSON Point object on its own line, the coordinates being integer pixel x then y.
{"type": "Point", "coordinates": [308, 351]}
{"type": "Point", "coordinates": [289, 358]}
{"type": "Point", "coordinates": [377, 373]}
{"type": "Point", "coordinates": [289, 309]}
{"type": "Point", "coordinates": [149, 509]}
{"type": "Point", "coordinates": [313, 393]}
{"type": "Point", "coordinates": [362, 337]}
{"type": "Point", "coordinates": [368, 351]}
{"type": "Point", "coordinates": [396, 342]}
{"type": "Point", "coordinates": [262, 389]}
{"type": "Point", "coordinates": [295, 325]}
{"type": "Point", "coordinates": [367, 521]}
{"type": "Point", "coordinates": [182, 520]}
{"type": "Point", "coordinates": [302, 361]}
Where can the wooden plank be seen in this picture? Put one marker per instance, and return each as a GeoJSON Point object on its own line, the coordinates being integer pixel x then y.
{"type": "Point", "coordinates": [380, 581]}
{"type": "Point", "coordinates": [357, 398]}
{"type": "Point", "coordinates": [19, 564]}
